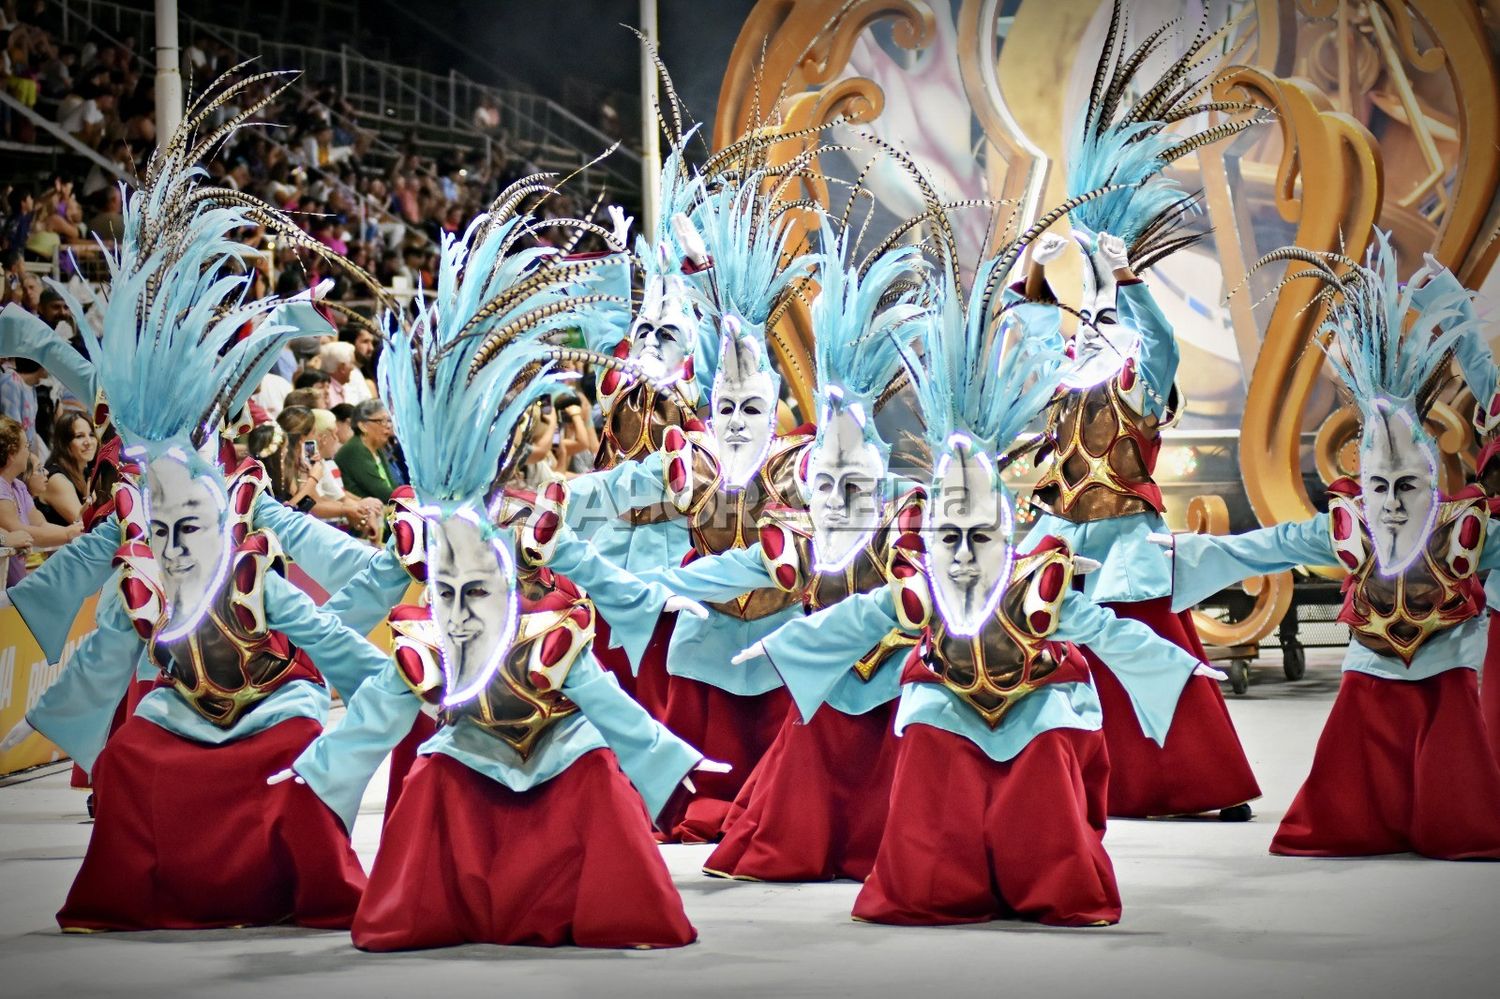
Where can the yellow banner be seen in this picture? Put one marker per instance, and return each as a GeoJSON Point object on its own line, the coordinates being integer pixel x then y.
{"type": "Point", "coordinates": [24, 674]}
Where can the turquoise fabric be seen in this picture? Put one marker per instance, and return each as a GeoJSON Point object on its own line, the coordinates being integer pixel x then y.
{"type": "Point", "coordinates": [814, 656]}
{"type": "Point", "coordinates": [339, 764]}
{"type": "Point", "coordinates": [1203, 565]}
{"type": "Point", "coordinates": [1130, 569]}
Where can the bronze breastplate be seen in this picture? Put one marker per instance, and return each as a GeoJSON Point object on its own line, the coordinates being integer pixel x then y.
{"type": "Point", "coordinates": [634, 425]}
{"type": "Point", "coordinates": [1098, 470]}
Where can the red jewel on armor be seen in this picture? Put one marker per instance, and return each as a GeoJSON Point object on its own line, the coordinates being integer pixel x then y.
{"type": "Point", "coordinates": [244, 575]}
{"type": "Point", "coordinates": [677, 475]}
{"type": "Point", "coordinates": [1040, 620]}
{"type": "Point", "coordinates": [244, 498]}
{"type": "Point", "coordinates": [1495, 405]}
{"type": "Point", "coordinates": [1050, 585]}
{"type": "Point", "coordinates": [903, 570]}
{"type": "Point", "coordinates": [772, 541]}
{"type": "Point", "coordinates": [243, 615]}
{"type": "Point", "coordinates": [687, 372]}
{"type": "Point", "coordinates": [556, 492]}
{"type": "Point", "coordinates": [622, 349]}
{"type": "Point", "coordinates": [410, 663]}
{"type": "Point", "coordinates": [406, 539]}
{"type": "Point", "coordinates": [786, 577]}
{"type": "Point", "coordinates": [538, 680]}
{"type": "Point", "coordinates": [911, 606]}
{"type": "Point", "coordinates": [580, 616]}
{"type": "Point", "coordinates": [1127, 375]}
{"type": "Point", "coordinates": [909, 520]}
{"type": "Point", "coordinates": [610, 384]}
{"type": "Point", "coordinates": [1350, 562]}
{"type": "Point", "coordinates": [137, 594]}
{"type": "Point", "coordinates": [546, 527]}
{"type": "Point", "coordinates": [143, 628]}
{"type": "Point", "coordinates": [554, 647]}
{"type": "Point", "coordinates": [1461, 565]}
{"type": "Point", "coordinates": [1343, 526]}
{"type": "Point", "coordinates": [124, 503]}
{"type": "Point", "coordinates": [1468, 531]}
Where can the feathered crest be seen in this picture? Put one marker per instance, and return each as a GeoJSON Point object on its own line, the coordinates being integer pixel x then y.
{"type": "Point", "coordinates": [460, 376]}
{"type": "Point", "coordinates": [1390, 343]}
{"type": "Point", "coordinates": [969, 383]}
{"type": "Point", "coordinates": [1118, 145]}
{"type": "Point", "coordinates": [862, 318]}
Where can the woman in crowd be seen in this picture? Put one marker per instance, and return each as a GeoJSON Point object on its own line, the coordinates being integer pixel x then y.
{"type": "Point", "coordinates": [17, 510]}
{"type": "Point", "coordinates": [362, 460]}
{"type": "Point", "coordinates": [71, 460]}
{"type": "Point", "coordinates": [292, 454]}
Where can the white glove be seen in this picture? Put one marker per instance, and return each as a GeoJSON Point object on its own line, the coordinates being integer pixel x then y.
{"type": "Point", "coordinates": [1112, 251]}
{"type": "Point", "coordinates": [1164, 541]}
{"type": "Point", "coordinates": [18, 734]}
{"type": "Point", "coordinates": [1083, 566]}
{"type": "Point", "coordinates": [755, 651]}
{"type": "Point", "coordinates": [1204, 669]}
{"type": "Point", "coordinates": [1048, 248]}
{"type": "Point", "coordinates": [621, 223]}
{"type": "Point", "coordinates": [284, 775]}
{"type": "Point", "coordinates": [689, 239]}
{"type": "Point", "coordinates": [707, 766]}
{"type": "Point", "coordinates": [692, 607]}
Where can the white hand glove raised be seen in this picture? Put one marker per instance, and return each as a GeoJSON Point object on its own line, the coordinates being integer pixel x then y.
{"type": "Point", "coordinates": [689, 239]}
{"type": "Point", "coordinates": [753, 652]}
{"type": "Point", "coordinates": [621, 223]}
{"type": "Point", "coordinates": [284, 775]}
{"type": "Point", "coordinates": [1204, 669]}
{"type": "Point", "coordinates": [1164, 541]}
{"type": "Point", "coordinates": [1112, 251]}
{"type": "Point", "coordinates": [18, 734]}
{"type": "Point", "coordinates": [1048, 248]}
{"type": "Point", "coordinates": [685, 605]}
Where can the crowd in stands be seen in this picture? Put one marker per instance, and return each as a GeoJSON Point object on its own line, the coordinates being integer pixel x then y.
{"type": "Point", "coordinates": [323, 434]}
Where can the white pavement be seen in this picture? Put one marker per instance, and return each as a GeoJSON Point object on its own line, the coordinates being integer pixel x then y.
{"type": "Point", "coordinates": [1207, 913]}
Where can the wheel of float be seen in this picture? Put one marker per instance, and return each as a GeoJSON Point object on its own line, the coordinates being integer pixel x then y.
{"type": "Point", "coordinates": [1293, 660]}
{"type": "Point", "coordinates": [1239, 675]}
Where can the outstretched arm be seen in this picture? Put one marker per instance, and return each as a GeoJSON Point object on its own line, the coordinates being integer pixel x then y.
{"type": "Point", "coordinates": [342, 655]}
{"type": "Point", "coordinates": [597, 499]}
{"type": "Point", "coordinates": [717, 577]}
{"type": "Point", "coordinates": [1204, 564]}
{"type": "Point", "coordinates": [325, 553]}
{"type": "Point", "coordinates": [48, 599]}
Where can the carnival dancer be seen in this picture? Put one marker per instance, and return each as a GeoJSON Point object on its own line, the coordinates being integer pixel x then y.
{"type": "Point", "coordinates": [814, 807]}
{"type": "Point", "coordinates": [1403, 763]}
{"type": "Point", "coordinates": [201, 593]}
{"type": "Point", "coordinates": [1097, 491]}
{"type": "Point", "coordinates": [998, 800]}
{"type": "Point", "coordinates": [517, 824]}
{"type": "Point", "coordinates": [480, 283]}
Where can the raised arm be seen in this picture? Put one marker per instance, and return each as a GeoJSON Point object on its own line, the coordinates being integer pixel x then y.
{"type": "Point", "coordinates": [364, 601]}
{"type": "Point", "coordinates": [1152, 670]}
{"type": "Point", "coordinates": [325, 553]}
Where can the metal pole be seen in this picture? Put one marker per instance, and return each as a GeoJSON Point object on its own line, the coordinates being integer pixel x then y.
{"type": "Point", "coordinates": [650, 137]}
{"type": "Point", "coordinates": [168, 71]}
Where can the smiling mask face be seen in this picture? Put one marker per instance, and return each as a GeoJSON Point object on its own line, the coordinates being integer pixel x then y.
{"type": "Point", "coordinates": [744, 410]}
{"type": "Point", "coordinates": [968, 529]}
{"type": "Point", "coordinates": [660, 335]}
{"type": "Point", "coordinates": [472, 595]}
{"type": "Point", "coordinates": [187, 537]}
{"type": "Point", "coordinates": [1398, 488]}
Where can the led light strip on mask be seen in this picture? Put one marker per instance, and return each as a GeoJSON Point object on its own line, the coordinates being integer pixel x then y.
{"type": "Point", "coordinates": [1007, 529]}
{"type": "Point", "coordinates": [502, 550]}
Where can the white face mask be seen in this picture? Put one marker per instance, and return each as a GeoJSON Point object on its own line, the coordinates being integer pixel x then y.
{"type": "Point", "coordinates": [968, 529]}
{"type": "Point", "coordinates": [1101, 345]}
{"type": "Point", "coordinates": [843, 491]}
{"type": "Point", "coordinates": [744, 411]}
{"type": "Point", "coordinates": [659, 349]}
{"type": "Point", "coordinates": [660, 334]}
{"type": "Point", "coordinates": [473, 599]}
{"type": "Point", "coordinates": [1398, 491]}
{"type": "Point", "coordinates": [187, 537]}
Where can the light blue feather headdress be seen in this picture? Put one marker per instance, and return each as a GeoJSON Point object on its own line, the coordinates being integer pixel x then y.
{"type": "Point", "coordinates": [1130, 149]}
{"type": "Point", "coordinates": [860, 322]}
{"type": "Point", "coordinates": [460, 377]}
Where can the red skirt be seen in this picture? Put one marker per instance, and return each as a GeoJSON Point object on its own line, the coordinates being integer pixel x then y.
{"type": "Point", "coordinates": [815, 807]}
{"type": "Point", "coordinates": [467, 860]}
{"type": "Point", "coordinates": [1401, 766]}
{"type": "Point", "coordinates": [649, 687]}
{"type": "Point", "coordinates": [1489, 686]}
{"type": "Point", "coordinates": [1203, 767]}
{"type": "Point", "coordinates": [969, 840]}
{"type": "Point", "coordinates": [188, 836]}
{"type": "Point", "coordinates": [723, 726]}
{"type": "Point", "coordinates": [403, 758]}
